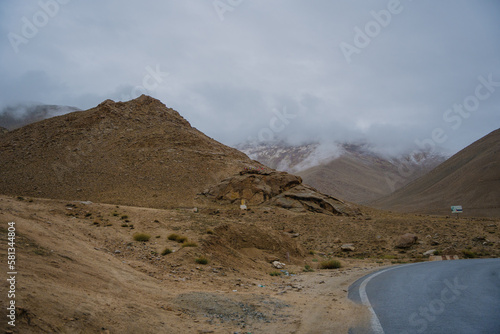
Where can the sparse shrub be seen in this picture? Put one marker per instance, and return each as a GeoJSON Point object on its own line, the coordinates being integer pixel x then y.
{"type": "Point", "coordinates": [330, 264]}
{"type": "Point", "coordinates": [158, 236]}
{"type": "Point", "coordinates": [21, 198]}
{"type": "Point", "coordinates": [124, 225]}
{"type": "Point", "coordinates": [173, 236]}
{"type": "Point", "coordinates": [96, 223]}
{"type": "Point", "coordinates": [141, 237]}
{"type": "Point", "coordinates": [314, 260]}
{"type": "Point", "coordinates": [437, 252]}
{"type": "Point", "coordinates": [115, 214]}
{"type": "Point", "coordinates": [201, 260]}
{"type": "Point", "coordinates": [210, 232]}
{"type": "Point", "coordinates": [307, 268]}
{"type": "Point", "coordinates": [468, 254]}
{"type": "Point", "coordinates": [156, 221]}
{"type": "Point", "coordinates": [275, 273]}
{"type": "Point", "coordinates": [166, 251]}
{"type": "Point", "coordinates": [109, 224]}
{"type": "Point", "coordinates": [312, 252]}
{"type": "Point", "coordinates": [124, 217]}
{"type": "Point", "coordinates": [189, 244]}
{"type": "Point", "coordinates": [176, 237]}
{"type": "Point", "coordinates": [88, 214]}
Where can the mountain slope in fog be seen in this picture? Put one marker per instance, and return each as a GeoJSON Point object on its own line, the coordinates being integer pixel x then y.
{"type": "Point", "coordinates": [352, 171]}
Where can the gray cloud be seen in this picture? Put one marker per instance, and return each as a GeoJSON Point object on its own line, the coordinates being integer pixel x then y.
{"type": "Point", "coordinates": [228, 77]}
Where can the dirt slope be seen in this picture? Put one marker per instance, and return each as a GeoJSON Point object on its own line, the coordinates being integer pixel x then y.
{"type": "Point", "coordinates": [138, 152]}
{"type": "Point", "coordinates": [470, 178]}
{"type": "Point", "coordinates": [79, 269]}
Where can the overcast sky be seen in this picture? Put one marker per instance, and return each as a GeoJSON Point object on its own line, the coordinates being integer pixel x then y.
{"type": "Point", "coordinates": [389, 72]}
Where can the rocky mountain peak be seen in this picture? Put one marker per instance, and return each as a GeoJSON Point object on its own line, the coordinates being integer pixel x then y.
{"type": "Point", "coordinates": [144, 108]}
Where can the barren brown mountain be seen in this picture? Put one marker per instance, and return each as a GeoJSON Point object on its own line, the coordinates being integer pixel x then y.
{"type": "Point", "coordinates": [138, 152]}
{"type": "Point", "coordinates": [470, 178]}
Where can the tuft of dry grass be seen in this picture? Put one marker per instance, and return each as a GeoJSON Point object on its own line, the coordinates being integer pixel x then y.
{"type": "Point", "coordinates": [166, 251]}
{"type": "Point", "coordinates": [330, 264]}
{"type": "Point", "coordinates": [201, 260]}
{"type": "Point", "coordinates": [176, 237]}
{"type": "Point", "coordinates": [468, 254]}
{"type": "Point", "coordinates": [141, 237]}
{"type": "Point", "coordinates": [307, 268]}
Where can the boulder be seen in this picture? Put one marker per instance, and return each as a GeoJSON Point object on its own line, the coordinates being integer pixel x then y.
{"type": "Point", "coordinates": [278, 265]}
{"type": "Point", "coordinates": [348, 248]}
{"type": "Point", "coordinates": [406, 240]}
{"type": "Point", "coordinates": [429, 252]}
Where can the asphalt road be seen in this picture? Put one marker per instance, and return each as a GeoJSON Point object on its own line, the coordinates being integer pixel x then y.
{"type": "Point", "coordinates": [451, 297]}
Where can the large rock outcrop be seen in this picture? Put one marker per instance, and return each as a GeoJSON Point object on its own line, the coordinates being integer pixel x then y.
{"type": "Point", "coordinates": [280, 189]}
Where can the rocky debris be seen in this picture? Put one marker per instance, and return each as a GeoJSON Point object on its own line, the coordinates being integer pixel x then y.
{"type": "Point", "coordinates": [218, 308]}
{"type": "Point", "coordinates": [280, 189]}
{"type": "Point", "coordinates": [429, 252]}
{"type": "Point", "coordinates": [291, 233]}
{"type": "Point", "coordinates": [271, 258]}
{"type": "Point", "coordinates": [348, 248]}
{"type": "Point", "coordinates": [406, 240]}
{"type": "Point", "coordinates": [278, 265]}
